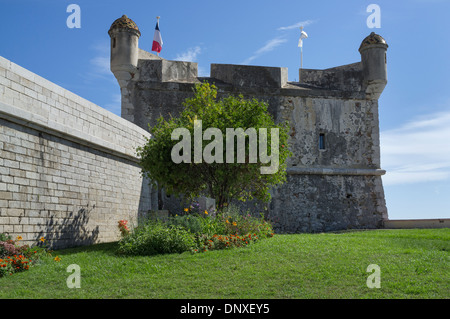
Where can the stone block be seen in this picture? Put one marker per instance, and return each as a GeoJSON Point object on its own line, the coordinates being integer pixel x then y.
{"type": "Point", "coordinates": [250, 76]}
{"type": "Point", "coordinates": [5, 195]}
{"type": "Point", "coordinates": [346, 78]}
{"type": "Point", "coordinates": [207, 204]}
{"type": "Point", "coordinates": [167, 71]}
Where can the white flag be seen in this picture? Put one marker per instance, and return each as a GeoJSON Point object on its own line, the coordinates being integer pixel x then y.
{"type": "Point", "coordinates": [303, 35]}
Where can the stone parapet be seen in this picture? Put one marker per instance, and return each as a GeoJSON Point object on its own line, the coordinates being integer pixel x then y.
{"type": "Point", "coordinates": [68, 168]}
{"type": "Point", "coordinates": [347, 78]}
{"type": "Point", "coordinates": [155, 70]}
{"type": "Point", "coordinates": [250, 76]}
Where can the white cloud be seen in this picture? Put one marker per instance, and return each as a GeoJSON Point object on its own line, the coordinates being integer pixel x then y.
{"type": "Point", "coordinates": [297, 25]}
{"type": "Point", "coordinates": [269, 46]}
{"type": "Point", "coordinates": [101, 64]}
{"type": "Point", "coordinates": [190, 55]}
{"type": "Point", "coordinates": [203, 72]}
{"type": "Point", "coordinates": [419, 151]}
{"type": "Point", "coordinates": [100, 75]}
{"type": "Point", "coordinates": [277, 41]}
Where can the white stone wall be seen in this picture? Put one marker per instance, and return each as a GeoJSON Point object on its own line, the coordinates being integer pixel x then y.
{"type": "Point", "coordinates": [68, 168]}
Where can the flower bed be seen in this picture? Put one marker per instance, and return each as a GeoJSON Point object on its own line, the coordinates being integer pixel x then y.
{"type": "Point", "coordinates": [194, 231]}
{"type": "Point", "coordinates": [15, 257]}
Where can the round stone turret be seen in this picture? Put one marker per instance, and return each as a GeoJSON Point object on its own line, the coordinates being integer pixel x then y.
{"type": "Point", "coordinates": [374, 64]}
{"type": "Point", "coordinates": [124, 35]}
{"type": "Point", "coordinates": [124, 23]}
{"type": "Point", "coordinates": [371, 39]}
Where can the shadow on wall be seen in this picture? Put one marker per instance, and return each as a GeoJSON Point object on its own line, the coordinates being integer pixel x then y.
{"type": "Point", "coordinates": [70, 231]}
{"type": "Point", "coordinates": [147, 200]}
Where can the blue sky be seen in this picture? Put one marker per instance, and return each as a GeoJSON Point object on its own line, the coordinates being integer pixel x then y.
{"type": "Point", "coordinates": [414, 108]}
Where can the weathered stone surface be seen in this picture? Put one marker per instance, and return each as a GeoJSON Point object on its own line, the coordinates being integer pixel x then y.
{"type": "Point", "coordinates": [68, 168]}
{"type": "Point", "coordinates": [167, 71]}
{"type": "Point", "coordinates": [250, 76]}
{"type": "Point", "coordinates": [335, 186]}
{"type": "Point", "coordinates": [320, 203]}
{"type": "Point", "coordinates": [344, 78]}
{"type": "Point", "coordinates": [207, 204]}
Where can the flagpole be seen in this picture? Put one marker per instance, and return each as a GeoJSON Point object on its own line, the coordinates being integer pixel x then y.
{"type": "Point", "coordinates": [157, 21]}
{"type": "Point", "coordinates": [301, 65]}
{"type": "Point", "coordinates": [301, 58]}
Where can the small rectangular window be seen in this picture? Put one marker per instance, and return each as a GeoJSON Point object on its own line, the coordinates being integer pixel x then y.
{"type": "Point", "coordinates": [321, 141]}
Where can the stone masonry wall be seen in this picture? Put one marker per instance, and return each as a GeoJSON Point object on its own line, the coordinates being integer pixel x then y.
{"type": "Point", "coordinates": [68, 168]}
{"type": "Point", "coordinates": [334, 188]}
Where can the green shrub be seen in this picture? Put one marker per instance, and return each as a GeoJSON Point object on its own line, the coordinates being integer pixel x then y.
{"type": "Point", "coordinates": [205, 242]}
{"type": "Point", "coordinates": [192, 223]}
{"type": "Point", "coordinates": [229, 228]}
{"type": "Point", "coordinates": [195, 231]}
{"type": "Point", "coordinates": [156, 237]}
{"type": "Point", "coordinates": [199, 223]}
{"type": "Point", "coordinates": [242, 223]}
{"type": "Point", "coordinates": [4, 237]}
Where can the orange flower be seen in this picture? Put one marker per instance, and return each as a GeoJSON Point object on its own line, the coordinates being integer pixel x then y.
{"type": "Point", "coordinates": [186, 209]}
{"type": "Point", "coordinates": [234, 224]}
{"type": "Point", "coordinates": [19, 238]}
{"type": "Point", "coordinates": [57, 259]}
{"type": "Point", "coordinates": [206, 212]}
{"type": "Point", "coordinates": [42, 239]}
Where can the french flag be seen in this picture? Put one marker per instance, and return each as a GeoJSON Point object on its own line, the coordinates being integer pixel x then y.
{"type": "Point", "coordinates": [157, 40]}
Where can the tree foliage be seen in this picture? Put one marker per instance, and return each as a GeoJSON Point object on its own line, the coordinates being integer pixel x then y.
{"type": "Point", "coordinates": [222, 181]}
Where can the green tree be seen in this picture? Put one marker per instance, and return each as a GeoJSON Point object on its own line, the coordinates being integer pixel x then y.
{"type": "Point", "coordinates": [224, 181]}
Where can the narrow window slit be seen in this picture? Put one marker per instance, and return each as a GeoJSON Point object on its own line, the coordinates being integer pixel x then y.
{"type": "Point", "coordinates": [321, 141]}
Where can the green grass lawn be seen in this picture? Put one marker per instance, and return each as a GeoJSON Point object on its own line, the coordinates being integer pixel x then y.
{"type": "Point", "coordinates": [414, 264]}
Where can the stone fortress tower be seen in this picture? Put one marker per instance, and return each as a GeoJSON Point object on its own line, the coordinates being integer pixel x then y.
{"type": "Point", "coordinates": [334, 176]}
